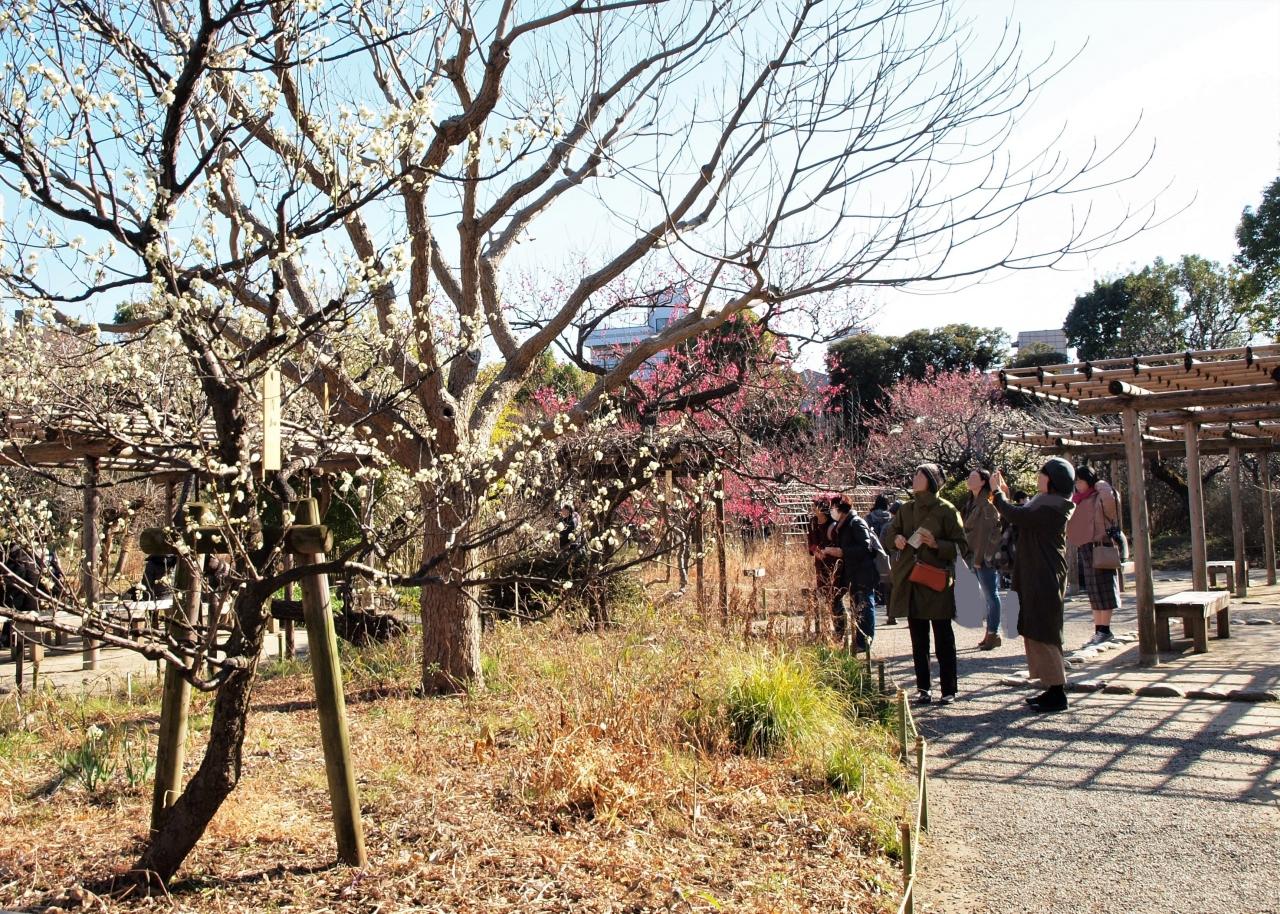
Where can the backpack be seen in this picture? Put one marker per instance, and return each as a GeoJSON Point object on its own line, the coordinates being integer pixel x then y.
{"type": "Point", "coordinates": [1007, 549]}
{"type": "Point", "coordinates": [881, 558]}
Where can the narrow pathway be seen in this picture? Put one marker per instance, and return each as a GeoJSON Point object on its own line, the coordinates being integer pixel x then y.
{"type": "Point", "coordinates": [1120, 804]}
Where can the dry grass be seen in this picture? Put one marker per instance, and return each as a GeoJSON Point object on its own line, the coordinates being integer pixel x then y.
{"type": "Point", "coordinates": [586, 778]}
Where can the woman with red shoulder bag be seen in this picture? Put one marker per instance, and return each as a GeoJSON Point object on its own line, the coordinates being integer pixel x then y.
{"type": "Point", "coordinates": [928, 533]}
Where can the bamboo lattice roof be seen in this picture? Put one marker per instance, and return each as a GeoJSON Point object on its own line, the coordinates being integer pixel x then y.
{"type": "Point", "coordinates": [1230, 396]}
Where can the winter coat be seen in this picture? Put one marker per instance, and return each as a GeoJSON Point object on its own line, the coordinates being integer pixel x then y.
{"type": "Point", "coordinates": [1096, 513]}
{"type": "Point", "coordinates": [825, 566]}
{"type": "Point", "coordinates": [1040, 563]}
{"type": "Point", "coordinates": [939, 517]}
{"type": "Point", "coordinates": [982, 531]}
{"type": "Point", "coordinates": [858, 560]}
{"type": "Point", "coordinates": [19, 579]}
{"type": "Point", "coordinates": [878, 520]}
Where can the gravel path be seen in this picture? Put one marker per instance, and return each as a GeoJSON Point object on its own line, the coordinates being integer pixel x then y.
{"type": "Point", "coordinates": [1120, 804]}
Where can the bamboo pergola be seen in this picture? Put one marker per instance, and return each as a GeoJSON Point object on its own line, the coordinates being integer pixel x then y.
{"type": "Point", "coordinates": [1221, 401]}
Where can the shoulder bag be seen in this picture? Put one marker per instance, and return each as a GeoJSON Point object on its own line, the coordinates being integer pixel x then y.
{"type": "Point", "coordinates": [930, 576]}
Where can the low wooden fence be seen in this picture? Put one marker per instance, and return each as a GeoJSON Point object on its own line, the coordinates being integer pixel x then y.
{"type": "Point", "coordinates": [909, 831]}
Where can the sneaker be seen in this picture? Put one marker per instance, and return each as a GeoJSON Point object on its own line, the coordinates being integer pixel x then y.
{"type": "Point", "coordinates": [948, 699]}
{"type": "Point", "coordinates": [922, 698]}
{"type": "Point", "coordinates": [1098, 638]}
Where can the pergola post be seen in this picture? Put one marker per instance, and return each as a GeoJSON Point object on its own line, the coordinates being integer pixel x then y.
{"type": "Point", "coordinates": [1195, 499]}
{"type": "Point", "coordinates": [89, 590]}
{"type": "Point", "coordinates": [1144, 586]}
{"type": "Point", "coordinates": [1237, 522]}
{"type": "Point", "coordinates": [1268, 517]}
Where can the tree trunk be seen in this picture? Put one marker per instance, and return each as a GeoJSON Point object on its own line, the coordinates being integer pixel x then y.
{"type": "Point", "coordinates": [1164, 472]}
{"type": "Point", "coordinates": [450, 625]}
{"type": "Point", "coordinates": [185, 822]}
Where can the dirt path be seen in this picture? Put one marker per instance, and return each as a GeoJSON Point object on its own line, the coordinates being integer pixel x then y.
{"type": "Point", "coordinates": [1121, 804]}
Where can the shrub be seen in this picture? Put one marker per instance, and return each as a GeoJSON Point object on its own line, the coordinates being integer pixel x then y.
{"type": "Point", "coordinates": [778, 703]}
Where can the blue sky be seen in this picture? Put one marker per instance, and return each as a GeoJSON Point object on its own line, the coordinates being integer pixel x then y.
{"type": "Point", "coordinates": [1203, 76]}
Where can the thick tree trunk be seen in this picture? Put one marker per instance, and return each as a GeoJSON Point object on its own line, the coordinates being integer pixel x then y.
{"type": "Point", "coordinates": [185, 822]}
{"type": "Point", "coordinates": [450, 626]}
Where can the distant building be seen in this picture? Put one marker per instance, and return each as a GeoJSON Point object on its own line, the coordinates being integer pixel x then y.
{"type": "Point", "coordinates": [1056, 338]}
{"type": "Point", "coordinates": [609, 344]}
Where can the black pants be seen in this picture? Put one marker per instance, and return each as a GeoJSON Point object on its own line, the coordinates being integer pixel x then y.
{"type": "Point", "coordinates": [944, 638]}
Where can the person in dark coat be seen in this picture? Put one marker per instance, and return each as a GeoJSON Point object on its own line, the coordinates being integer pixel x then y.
{"type": "Point", "coordinates": [826, 567]}
{"type": "Point", "coordinates": [19, 584]}
{"type": "Point", "coordinates": [858, 573]}
{"type": "Point", "coordinates": [928, 529]}
{"type": "Point", "coordinates": [880, 516]}
{"type": "Point", "coordinates": [568, 523]}
{"type": "Point", "coordinates": [1040, 574]}
{"type": "Point", "coordinates": [878, 519]}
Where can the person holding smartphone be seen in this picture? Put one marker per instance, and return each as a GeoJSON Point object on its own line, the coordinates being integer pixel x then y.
{"type": "Point", "coordinates": [1040, 574]}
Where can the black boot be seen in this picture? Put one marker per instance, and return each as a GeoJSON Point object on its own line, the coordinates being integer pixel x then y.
{"type": "Point", "coordinates": [1053, 700]}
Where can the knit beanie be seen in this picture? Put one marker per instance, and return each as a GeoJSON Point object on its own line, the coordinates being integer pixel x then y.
{"type": "Point", "coordinates": [933, 474]}
{"type": "Point", "coordinates": [1062, 477]}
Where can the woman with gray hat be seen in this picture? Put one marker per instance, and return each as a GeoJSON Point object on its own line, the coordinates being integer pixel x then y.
{"type": "Point", "coordinates": [1040, 574]}
{"type": "Point", "coordinates": [928, 534]}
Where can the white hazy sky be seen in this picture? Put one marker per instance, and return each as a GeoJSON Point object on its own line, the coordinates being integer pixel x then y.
{"type": "Point", "coordinates": [1203, 76]}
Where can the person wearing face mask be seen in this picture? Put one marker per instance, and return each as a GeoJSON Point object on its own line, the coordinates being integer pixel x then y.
{"type": "Point", "coordinates": [1040, 575]}
{"type": "Point", "coordinates": [826, 565]}
{"type": "Point", "coordinates": [929, 536]}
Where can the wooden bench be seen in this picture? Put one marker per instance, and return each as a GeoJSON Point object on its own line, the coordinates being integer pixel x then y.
{"type": "Point", "coordinates": [1229, 570]}
{"type": "Point", "coordinates": [1193, 607]}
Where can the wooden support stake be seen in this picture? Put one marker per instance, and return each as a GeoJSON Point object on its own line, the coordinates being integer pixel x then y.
{"type": "Point", "coordinates": [902, 726]}
{"type": "Point", "coordinates": [1268, 518]}
{"type": "Point", "coordinates": [1237, 522]}
{"type": "Point", "coordinates": [1144, 586]}
{"type": "Point", "coordinates": [290, 643]}
{"type": "Point", "coordinates": [721, 559]}
{"type": "Point", "coordinates": [668, 481]}
{"type": "Point", "coordinates": [175, 696]}
{"type": "Point", "coordinates": [1195, 496]}
{"type": "Point", "coordinates": [908, 864]}
{"type": "Point", "coordinates": [19, 662]}
{"type": "Point", "coordinates": [924, 784]}
{"type": "Point", "coordinates": [326, 674]}
{"type": "Point", "coordinates": [699, 567]}
{"type": "Point", "coordinates": [37, 655]}
{"type": "Point", "coordinates": [90, 561]}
